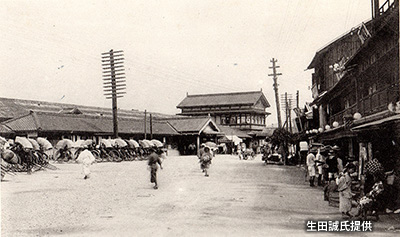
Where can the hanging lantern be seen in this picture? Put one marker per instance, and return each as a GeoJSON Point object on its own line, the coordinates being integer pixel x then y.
{"type": "Point", "coordinates": [327, 127]}
{"type": "Point", "coordinates": [357, 116]}
{"type": "Point", "coordinates": [335, 124]}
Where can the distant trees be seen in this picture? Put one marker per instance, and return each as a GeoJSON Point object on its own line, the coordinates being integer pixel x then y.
{"type": "Point", "coordinates": [280, 140]}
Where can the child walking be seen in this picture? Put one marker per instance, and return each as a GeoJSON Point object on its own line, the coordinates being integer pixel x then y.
{"type": "Point", "coordinates": [205, 160]}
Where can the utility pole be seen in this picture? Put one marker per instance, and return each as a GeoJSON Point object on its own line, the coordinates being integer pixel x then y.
{"type": "Point", "coordinates": [113, 81]}
{"type": "Point", "coordinates": [151, 126]}
{"type": "Point", "coordinates": [145, 124]}
{"type": "Point", "coordinates": [284, 99]}
{"type": "Point", "coordinates": [275, 78]}
{"type": "Point", "coordinates": [287, 104]}
{"type": "Point", "coordinates": [290, 115]}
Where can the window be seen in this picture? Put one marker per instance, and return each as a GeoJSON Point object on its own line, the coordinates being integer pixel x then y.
{"type": "Point", "coordinates": [227, 120]}
{"type": "Point", "coordinates": [233, 120]}
{"type": "Point", "coordinates": [248, 118]}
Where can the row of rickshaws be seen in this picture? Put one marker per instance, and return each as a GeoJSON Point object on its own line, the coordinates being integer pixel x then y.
{"type": "Point", "coordinates": [109, 150]}
{"type": "Point", "coordinates": [27, 154]}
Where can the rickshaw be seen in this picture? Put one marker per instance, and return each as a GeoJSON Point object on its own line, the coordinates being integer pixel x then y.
{"type": "Point", "coordinates": [39, 158]}
{"type": "Point", "coordinates": [122, 147]}
{"type": "Point", "coordinates": [23, 149]}
{"type": "Point", "coordinates": [89, 144]}
{"type": "Point", "coordinates": [64, 152]}
{"type": "Point", "coordinates": [133, 148]}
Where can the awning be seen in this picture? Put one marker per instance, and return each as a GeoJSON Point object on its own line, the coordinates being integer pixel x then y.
{"type": "Point", "coordinates": [209, 132]}
{"type": "Point", "coordinates": [376, 124]}
{"type": "Point", "coordinates": [235, 139]}
{"type": "Point", "coordinates": [335, 134]}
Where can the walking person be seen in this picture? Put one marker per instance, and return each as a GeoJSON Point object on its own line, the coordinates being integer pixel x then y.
{"type": "Point", "coordinates": [86, 158]}
{"type": "Point", "coordinates": [201, 150]}
{"type": "Point", "coordinates": [344, 188]}
{"type": "Point", "coordinates": [311, 167]}
{"type": "Point", "coordinates": [205, 160]}
{"type": "Point", "coordinates": [154, 159]}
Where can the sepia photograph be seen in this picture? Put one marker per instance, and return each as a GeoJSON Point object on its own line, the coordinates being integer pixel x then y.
{"type": "Point", "coordinates": [199, 118]}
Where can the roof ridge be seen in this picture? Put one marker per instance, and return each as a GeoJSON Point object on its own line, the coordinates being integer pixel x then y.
{"type": "Point", "coordinates": [227, 93]}
{"type": "Point", "coordinates": [188, 117]}
{"type": "Point", "coordinates": [86, 116]}
{"type": "Point", "coordinates": [15, 118]}
{"type": "Point", "coordinates": [79, 106]}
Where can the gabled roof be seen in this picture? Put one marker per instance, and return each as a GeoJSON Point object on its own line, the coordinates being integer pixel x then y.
{"type": "Point", "coordinates": [5, 130]}
{"type": "Point", "coordinates": [55, 122]}
{"type": "Point", "coordinates": [236, 98]}
{"type": "Point", "coordinates": [321, 52]}
{"type": "Point", "coordinates": [192, 124]}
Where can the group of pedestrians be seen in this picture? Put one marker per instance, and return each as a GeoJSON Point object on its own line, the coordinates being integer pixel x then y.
{"type": "Point", "coordinates": [376, 191]}
{"type": "Point", "coordinates": [323, 163]}
{"type": "Point", "coordinates": [86, 158]}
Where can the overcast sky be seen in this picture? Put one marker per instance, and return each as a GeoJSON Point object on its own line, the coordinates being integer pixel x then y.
{"type": "Point", "coordinates": [51, 50]}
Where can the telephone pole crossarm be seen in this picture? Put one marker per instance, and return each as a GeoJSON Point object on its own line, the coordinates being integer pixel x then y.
{"type": "Point", "coordinates": [113, 81]}
{"type": "Point", "coordinates": [274, 76]}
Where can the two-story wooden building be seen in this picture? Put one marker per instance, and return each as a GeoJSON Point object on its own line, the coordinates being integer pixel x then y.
{"type": "Point", "coordinates": [356, 88]}
{"type": "Point", "coordinates": [243, 110]}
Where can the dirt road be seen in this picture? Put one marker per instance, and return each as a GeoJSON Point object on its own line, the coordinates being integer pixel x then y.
{"type": "Point", "coordinates": [240, 198]}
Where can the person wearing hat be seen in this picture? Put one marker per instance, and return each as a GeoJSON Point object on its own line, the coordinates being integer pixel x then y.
{"type": "Point", "coordinates": [205, 160]}
{"type": "Point", "coordinates": [311, 166]}
{"type": "Point", "coordinates": [320, 161]}
{"type": "Point", "coordinates": [332, 165]}
{"type": "Point", "coordinates": [153, 160]}
{"type": "Point", "coordinates": [344, 187]}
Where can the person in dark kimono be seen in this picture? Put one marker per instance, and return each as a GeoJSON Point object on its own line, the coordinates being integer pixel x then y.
{"type": "Point", "coordinates": [153, 162]}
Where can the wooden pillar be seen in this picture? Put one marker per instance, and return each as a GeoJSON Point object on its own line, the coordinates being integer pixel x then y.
{"type": "Point", "coordinates": [322, 116]}
{"type": "Point", "coordinates": [198, 144]}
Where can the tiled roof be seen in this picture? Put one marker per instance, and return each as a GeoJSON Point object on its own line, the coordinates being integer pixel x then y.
{"type": "Point", "coordinates": [266, 132]}
{"type": "Point", "coordinates": [5, 130]}
{"type": "Point", "coordinates": [238, 98]}
{"type": "Point", "coordinates": [23, 123]}
{"type": "Point", "coordinates": [189, 124]}
{"type": "Point", "coordinates": [45, 121]}
{"type": "Point", "coordinates": [11, 108]}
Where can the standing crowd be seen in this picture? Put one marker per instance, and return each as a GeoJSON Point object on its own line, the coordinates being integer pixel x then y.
{"type": "Point", "coordinates": [370, 192]}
